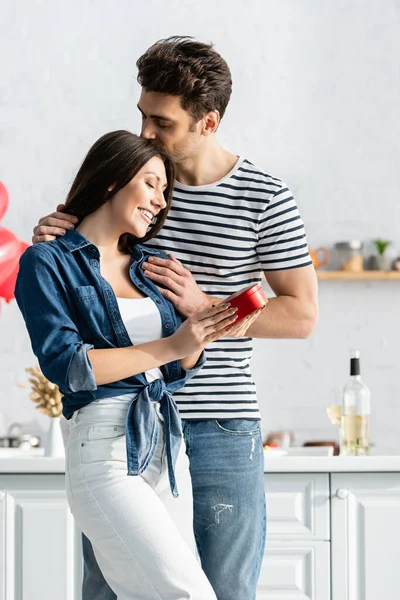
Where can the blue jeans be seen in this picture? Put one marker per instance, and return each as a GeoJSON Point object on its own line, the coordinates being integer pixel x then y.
{"type": "Point", "coordinates": [227, 471]}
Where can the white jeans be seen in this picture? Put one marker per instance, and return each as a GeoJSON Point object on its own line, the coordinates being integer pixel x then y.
{"type": "Point", "coordinates": [142, 536]}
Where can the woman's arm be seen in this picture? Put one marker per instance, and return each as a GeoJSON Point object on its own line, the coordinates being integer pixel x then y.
{"type": "Point", "coordinates": [189, 361]}
{"type": "Point", "coordinates": [64, 357]}
{"type": "Point", "coordinates": [113, 364]}
{"type": "Point", "coordinates": [73, 365]}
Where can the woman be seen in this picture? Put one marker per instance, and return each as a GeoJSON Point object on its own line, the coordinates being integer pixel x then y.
{"type": "Point", "coordinates": [118, 350]}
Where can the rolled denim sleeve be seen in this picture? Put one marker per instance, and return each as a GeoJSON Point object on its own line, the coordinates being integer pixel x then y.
{"type": "Point", "coordinates": [189, 373]}
{"type": "Point", "coordinates": [46, 308]}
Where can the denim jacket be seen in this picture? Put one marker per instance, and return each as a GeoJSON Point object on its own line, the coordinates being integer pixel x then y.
{"type": "Point", "coordinates": [70, 309]}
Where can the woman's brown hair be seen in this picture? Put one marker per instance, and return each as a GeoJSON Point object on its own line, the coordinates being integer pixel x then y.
{"type": "Point", "coordinates": [113, 161]}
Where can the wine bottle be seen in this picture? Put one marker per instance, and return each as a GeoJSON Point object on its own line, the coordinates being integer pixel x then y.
{"type": "Point", "coordinates": [355, 412]}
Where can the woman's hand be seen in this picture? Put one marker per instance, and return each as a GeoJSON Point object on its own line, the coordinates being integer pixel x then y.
{"type": "Point", "coordinates": [203, 328]}
{"type": "Point", "coordinates": [240, 329]}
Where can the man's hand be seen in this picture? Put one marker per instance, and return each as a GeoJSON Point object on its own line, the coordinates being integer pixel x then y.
{"type": "Point", "coordinates": [178, 285]}
{"type": "Point", "coordinates": [51, 226]}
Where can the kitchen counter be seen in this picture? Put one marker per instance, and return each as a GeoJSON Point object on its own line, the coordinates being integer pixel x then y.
{"type": "Point", "coordinates": [281, 464]}
{"type": "Point", "coordinates": [31, 464]}
{"type": "Point", "coordinates": [333, 527]}
{"type": "Point", "coordinates": [332, 464]}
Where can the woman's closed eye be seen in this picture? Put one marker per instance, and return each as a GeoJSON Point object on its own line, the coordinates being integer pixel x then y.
{"type": "Point", "coordinates": [150, 185]}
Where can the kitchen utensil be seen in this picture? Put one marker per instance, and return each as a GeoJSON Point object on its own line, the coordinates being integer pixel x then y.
{"type": "Point", "coordinates": [325, 256]}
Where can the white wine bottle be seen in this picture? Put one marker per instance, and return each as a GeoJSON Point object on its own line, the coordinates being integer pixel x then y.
{"type": "Point", "coordinates": [355, 412]}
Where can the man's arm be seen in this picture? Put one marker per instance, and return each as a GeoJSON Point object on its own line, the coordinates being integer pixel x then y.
{"type": "Point", "coordinates": [293, 313]}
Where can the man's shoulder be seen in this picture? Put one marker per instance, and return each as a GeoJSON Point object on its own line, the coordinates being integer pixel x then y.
{"type": "Point", "coordinates": [248, 171]}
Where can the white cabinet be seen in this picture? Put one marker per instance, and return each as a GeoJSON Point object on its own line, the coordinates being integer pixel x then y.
{"type": "Point", "coordinates": [332, 537]}
{"type": "Point", "coordinates": [297, 506]}
{"type": "Point", "coordinates": [295, 571]}
{"type": "Point", "coordinates": [297, 556]}
{"type": "Point", "coordinates": [40, 555]}
{"type": "Point", "coordinates": [365, 536]}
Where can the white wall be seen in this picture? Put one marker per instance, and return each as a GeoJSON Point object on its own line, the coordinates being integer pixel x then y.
{"type": "Point", "coordinates": [315, 101]}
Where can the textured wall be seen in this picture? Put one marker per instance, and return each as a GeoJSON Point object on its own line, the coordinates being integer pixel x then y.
{"type": "Point", "coordinates": [316, 102]}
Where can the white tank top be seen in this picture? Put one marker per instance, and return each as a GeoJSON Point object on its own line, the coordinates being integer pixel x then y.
{"type": "Point", "coordinates": [142, 321]}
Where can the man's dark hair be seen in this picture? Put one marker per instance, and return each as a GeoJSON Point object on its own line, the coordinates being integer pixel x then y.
{"type": "Point", "coordinates": [182, 66]}
{"type": "Point", "coordinates": [113, 161]}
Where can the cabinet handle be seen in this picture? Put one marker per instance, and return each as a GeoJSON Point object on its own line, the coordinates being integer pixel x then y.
{"type": "Point", "coordinates": [341, 493]}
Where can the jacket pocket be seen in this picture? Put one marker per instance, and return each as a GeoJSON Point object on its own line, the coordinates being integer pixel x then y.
{"type": "Point", "coordinates": [91, 312]}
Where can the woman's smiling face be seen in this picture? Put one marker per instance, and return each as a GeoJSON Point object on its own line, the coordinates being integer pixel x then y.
{"type": "Point", "coordinates": [134, 207]}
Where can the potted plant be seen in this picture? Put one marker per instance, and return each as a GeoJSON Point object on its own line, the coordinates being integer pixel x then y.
{"type": "Point", "coordinates": [381, 261]}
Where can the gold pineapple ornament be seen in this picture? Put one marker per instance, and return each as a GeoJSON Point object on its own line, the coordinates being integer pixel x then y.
{"type": "Point", "coordinates": [47, 398]}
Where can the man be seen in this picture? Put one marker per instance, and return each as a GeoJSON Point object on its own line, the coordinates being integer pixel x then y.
{"type": "Point", "coordinates": [229, 222]}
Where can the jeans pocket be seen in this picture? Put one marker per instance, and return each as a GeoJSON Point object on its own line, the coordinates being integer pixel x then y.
{"type": "Point", "coordinates": [103, 443]}
{"type": "Point", "coordinates": [104, 432]}
{"type": "Point", "coordinates": [242, 427]}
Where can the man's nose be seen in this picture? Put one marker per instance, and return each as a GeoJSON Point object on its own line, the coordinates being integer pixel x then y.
{"type": "Point", "coordinates": [148, 132]}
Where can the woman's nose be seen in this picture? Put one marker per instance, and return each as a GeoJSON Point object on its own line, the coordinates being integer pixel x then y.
{"type": "Point", "coordinates": [160, 201]}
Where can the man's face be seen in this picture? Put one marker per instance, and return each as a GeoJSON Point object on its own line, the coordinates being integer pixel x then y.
{"type": "Point", "coordinates": [170, 126]}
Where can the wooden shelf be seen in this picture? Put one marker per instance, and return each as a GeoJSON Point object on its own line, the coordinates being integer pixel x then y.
{"type": "Point", "coordinates": [363, 276]}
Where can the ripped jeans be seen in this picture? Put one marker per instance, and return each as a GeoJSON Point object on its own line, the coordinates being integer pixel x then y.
{"type": "Point", "coordinates": [226, 462]}
{"type": "Point", "coordinates": [227, 471]}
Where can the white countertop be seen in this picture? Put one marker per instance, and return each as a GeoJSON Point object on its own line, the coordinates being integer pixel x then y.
{"type": "Point", "coordinates": [20, 462]}
{"type": "Point", "coordinates": [331, 464]}
{"type": "Point", "coordinates": [279, 464]}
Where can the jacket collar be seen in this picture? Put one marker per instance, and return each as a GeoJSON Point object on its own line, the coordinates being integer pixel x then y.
{"type": "Point", "coordinates": [73, 240]}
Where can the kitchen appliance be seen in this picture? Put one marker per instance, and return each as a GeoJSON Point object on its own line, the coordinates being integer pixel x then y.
{"type": "Point", "coordinates": [17, 438]}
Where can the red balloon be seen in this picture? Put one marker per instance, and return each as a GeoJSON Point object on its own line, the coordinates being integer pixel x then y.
{"type": "Point", "coordinates": [9, 253]}
{"type": "Point", "coordinates": [3, 200]}
{"type": "Point", "coordinates": [8, 286]}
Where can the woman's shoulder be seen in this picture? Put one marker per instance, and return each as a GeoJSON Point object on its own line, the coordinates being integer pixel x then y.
{"type": "Point", "coordinates": [41, 252]}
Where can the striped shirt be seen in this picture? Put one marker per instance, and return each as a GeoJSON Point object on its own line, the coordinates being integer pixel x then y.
{"type": "Point", "coordinates": [226, 234]}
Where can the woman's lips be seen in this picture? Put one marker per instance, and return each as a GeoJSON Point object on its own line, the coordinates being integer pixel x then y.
{"type": "Point", "coordinates": [148, 221]}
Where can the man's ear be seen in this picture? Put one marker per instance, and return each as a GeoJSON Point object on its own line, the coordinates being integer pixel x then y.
{"type": "Point", "coordinates": [210, 122]}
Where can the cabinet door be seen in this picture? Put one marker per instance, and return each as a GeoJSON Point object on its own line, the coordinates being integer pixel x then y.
{"type": "Point", "coordinates": [297, 506]}
{"type": "Point", "coordinates": [365, 536]}
{"type": "Point", "coordinates": [42, 542]}
{"type": "Point", "coordinates": [2, 544]}
{"type": "Point", "coordinates": [295, 571]}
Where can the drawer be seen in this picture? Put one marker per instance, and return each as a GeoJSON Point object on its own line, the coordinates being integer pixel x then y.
{"type": "Point", "coordinates": [298, 506]}
{"type": "Point", "coordinates": [295, 571]}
